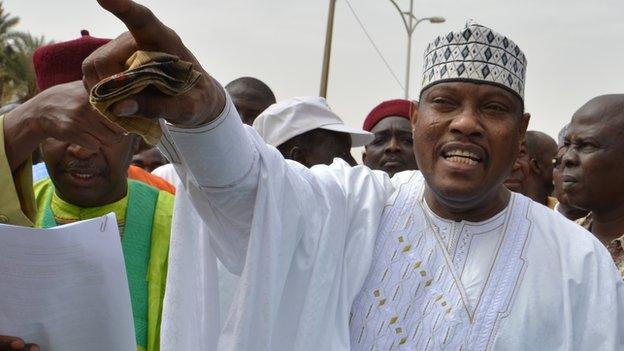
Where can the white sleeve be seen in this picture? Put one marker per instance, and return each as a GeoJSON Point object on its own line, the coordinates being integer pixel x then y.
{"type": "Point", "coordinates": [231, 176]}
{"type": "Point", "coordinates": [217, 166]}
{"type": "Point", "coordinates": [218, 154]}
{"type": "Point", "coordinates": [299, 238]}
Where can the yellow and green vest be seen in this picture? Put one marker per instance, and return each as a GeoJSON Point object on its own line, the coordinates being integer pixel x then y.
{"type": "Point", "coordinates": [144, 220]}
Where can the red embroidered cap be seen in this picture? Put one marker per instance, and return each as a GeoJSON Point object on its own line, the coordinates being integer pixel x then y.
{"type": "Point", "coordinates": [62, 62]}
{"type": "Point", "coordinates": [398, 107]}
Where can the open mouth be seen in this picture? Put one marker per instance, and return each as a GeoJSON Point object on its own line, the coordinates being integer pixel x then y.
{"type": "Point", "coordinates": [83, 176]}
{"type": "Point", "coordinates": [462, 156]}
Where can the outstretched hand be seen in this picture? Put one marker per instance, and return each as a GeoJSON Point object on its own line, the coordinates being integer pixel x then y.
{"type": "Point", "coordinates": [203, 103]}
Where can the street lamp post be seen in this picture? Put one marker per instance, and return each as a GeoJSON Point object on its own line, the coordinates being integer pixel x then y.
{"type": "Point", "coordinates": [411, 21]}
{"type": "Point", "coordinates": [328, 45]}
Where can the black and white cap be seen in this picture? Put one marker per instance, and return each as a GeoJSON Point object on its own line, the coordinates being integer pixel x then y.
{"type": "Point", "coordinates": [475, 53]}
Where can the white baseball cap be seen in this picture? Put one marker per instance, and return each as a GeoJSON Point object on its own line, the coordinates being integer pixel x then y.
{"type": "Point", "coordinates": [286, 119]}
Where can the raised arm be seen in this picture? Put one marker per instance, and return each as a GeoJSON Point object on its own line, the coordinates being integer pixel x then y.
{"type": "Point", "coordinates": [225, 168]}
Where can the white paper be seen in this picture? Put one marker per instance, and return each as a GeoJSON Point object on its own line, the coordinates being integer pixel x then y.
{"type": "Point", "coordinates": [66, 288]}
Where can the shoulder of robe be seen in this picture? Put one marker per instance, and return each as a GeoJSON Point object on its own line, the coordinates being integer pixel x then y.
{"type": "Point", "coordinates": [566, 239]}
{"type": "Point", "coordinates": [406, 176]}
{"type": "Point", "coordinates": [354, 179]}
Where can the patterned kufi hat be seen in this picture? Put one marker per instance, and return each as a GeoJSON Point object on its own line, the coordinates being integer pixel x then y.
{"type": "Point", "coordinates": [476, 54]}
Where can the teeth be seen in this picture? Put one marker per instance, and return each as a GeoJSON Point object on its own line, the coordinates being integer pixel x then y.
{"type": "Point", "coordinates": [463, 153]}
{"type": "Point", "coordinates": [462, 159]}
{"type": "Point", "coordinates": [83, 175]}
{"type": "Point", "coordinates": [462, 156]}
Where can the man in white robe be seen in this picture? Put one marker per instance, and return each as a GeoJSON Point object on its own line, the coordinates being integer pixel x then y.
{"type": "Point", "coordinates": [339, 258]}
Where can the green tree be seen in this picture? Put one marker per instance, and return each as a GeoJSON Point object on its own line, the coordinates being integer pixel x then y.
{"type": "Point", "coordinates": [7, 34]}
{"type": "Point", "coordinates": [17, 74]}
{"type": "Point", "coordinates": [20, 70]}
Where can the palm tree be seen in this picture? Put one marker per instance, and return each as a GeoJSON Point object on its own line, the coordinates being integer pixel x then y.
{"type": "Point", "coordinates": [7, 34]}
{"type": "Point", "coordinates": [19, 66]}
{"type": "Point", "coordinates": [17, 75]}
{"type": "Point", "coordinates": [7, 22]}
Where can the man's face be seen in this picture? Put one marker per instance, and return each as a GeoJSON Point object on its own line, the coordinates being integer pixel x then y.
{"type": "Point", "coordinates": [149, 159]}
{"type": "Point", "coordinates": [593, 163]}
{"type": "Point", "coordinates": [466, 138]}
{"type": "Point", "coordinates": [89, 178]}
{"type": "Point", "coordinates": [520, 172]}
{"type": "Point", "coordinates": [329, 145]}
{"type": "Point", "coordinates": [249, 108]}
{"type": "Point", "coordinates": [392, 150]}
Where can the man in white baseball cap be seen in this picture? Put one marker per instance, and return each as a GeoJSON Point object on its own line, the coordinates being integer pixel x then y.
{"type": "Point", "coordinates": [306, 130]}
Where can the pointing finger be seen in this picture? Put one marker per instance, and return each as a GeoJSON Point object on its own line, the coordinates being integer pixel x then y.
{"type": "Point", "coordinates": [145, 27]}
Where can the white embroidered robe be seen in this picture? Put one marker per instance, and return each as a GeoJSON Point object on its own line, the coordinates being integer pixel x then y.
{"type": "Point", "coordinates": [303, 241]}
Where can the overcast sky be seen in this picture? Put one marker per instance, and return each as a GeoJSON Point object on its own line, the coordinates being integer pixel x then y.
{"type": "Point", "coordinates": [575, 49]}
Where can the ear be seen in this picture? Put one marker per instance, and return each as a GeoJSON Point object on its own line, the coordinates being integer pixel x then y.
{"type": "Point", "coordinates": [523, 125]}
{"type": "Point", "coordinates": [298, 154]}
{"type": "Point", "coordinates": [535, 167]}
{"type": "Point", "coordinates": [364, 155]}
{"type": "Point", "coordinates": [414, 114]}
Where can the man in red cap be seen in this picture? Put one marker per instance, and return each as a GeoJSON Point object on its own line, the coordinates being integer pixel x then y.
{"type": "Point", "coordinates": [54, 68]}
{"type": "Point", "coordinates": [87, 158]}
{"type": "Point", "coordinates": [392, 149]}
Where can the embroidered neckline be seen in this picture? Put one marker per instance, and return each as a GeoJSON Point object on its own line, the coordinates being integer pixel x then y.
{"type": "Point", "coordinates": [430, 212]}
{"type": "Point", "coordinates": [458, 241]}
